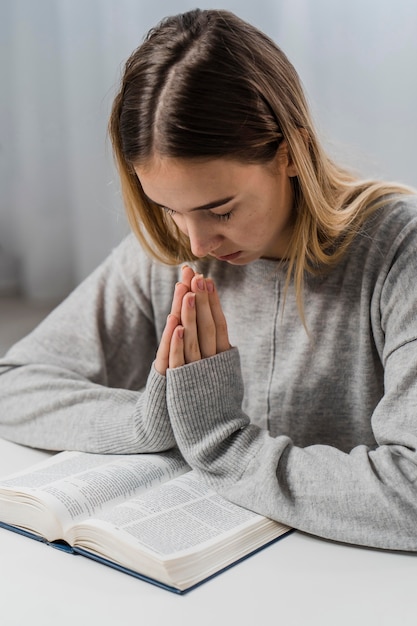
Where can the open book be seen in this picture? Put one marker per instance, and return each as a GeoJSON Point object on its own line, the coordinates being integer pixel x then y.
{"type": "Point", "coordinates": [145, 514]}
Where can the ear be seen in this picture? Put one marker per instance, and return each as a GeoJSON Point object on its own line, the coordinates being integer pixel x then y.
{"type": "Point", "coordinates": [286, 156]}
{"type": "Point", "coordinates": [284, 160]}
{"type": "Point", "coordinates": [291, 168]}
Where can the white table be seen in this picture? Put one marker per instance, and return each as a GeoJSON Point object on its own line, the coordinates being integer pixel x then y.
{"type": "Point", "coordinates": [298, 581]}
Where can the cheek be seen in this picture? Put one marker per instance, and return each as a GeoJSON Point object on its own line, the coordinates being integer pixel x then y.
{"type": "Point", "coordinates": [255, 226]}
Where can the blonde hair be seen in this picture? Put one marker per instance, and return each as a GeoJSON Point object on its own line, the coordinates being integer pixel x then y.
{"type": "Point", "coordinates": [205, 84]}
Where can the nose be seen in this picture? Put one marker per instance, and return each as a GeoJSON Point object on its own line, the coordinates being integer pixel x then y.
{"type": "Point", "coordinates": [202, 241]}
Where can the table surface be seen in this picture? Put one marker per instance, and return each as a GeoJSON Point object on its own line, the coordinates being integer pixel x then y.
{"type": "Point", "coordinates": [299, 580]}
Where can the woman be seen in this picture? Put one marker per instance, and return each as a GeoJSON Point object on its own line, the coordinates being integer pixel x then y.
{"type": "Point", "coordinates": [286, 347]}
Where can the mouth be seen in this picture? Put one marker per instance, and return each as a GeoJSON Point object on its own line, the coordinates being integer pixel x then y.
{"type": "Point", "coordinates": [229, 257]}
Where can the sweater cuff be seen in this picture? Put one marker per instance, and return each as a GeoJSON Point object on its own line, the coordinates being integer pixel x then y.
{"type": "Point", "coordinates": [204, 401]}
{"type": "Point", "coordinates": [154, 432]}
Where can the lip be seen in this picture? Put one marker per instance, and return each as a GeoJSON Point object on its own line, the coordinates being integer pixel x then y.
{"type": "Point", "coordinates": [230, 257]}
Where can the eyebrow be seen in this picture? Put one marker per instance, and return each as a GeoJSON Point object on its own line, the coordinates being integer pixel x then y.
{"type": "Point", "coordinates": [204, 207]}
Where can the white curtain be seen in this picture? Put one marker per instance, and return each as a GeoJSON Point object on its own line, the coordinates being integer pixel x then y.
{"type": "Point", "coordinates": [60, 61]}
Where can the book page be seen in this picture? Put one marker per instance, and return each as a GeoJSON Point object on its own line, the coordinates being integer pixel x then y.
{"type": "Point", "coordinates": [175, 517]}
{"type": "Point", "coordinates": [77, 484]}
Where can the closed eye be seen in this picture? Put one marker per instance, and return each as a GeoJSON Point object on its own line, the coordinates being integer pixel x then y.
{"type": "Point", "coordinates": [222, 217]}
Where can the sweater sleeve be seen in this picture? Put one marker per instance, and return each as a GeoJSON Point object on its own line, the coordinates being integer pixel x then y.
{"type": "Point", "coordinates": [367, 496]}
{"type": "Point", "coordinates": [84, 378]}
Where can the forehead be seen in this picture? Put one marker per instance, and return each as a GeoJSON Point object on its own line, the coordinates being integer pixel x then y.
{"type": "Point", "coordinates": [168, 168]}
{"type": "Point", "coordinates": [195, 182]}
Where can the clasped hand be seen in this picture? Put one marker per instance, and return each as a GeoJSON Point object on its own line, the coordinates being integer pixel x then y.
{"type": "Point", "coordinates": [196, 326]}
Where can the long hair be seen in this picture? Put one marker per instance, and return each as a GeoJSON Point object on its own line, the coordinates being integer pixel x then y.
{"type": "Point", "coordinates": [205, 84]}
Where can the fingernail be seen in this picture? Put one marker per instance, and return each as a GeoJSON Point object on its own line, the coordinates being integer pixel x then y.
{"type": "Point", "coordinates": [180, 332]}
{"type": "Point", "coordinates": [210, 286]}
{"type": "Point", "coordinates": [200, 282]}
{"type": "Point", "coordinates": [191, 300]}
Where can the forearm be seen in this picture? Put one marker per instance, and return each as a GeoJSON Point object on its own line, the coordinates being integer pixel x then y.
{"type": "Point", "coordinates": [84, 379]}
{"type": "Point", "coordinates": [326, 492]}
{"type": "Point", "coordinates": [365, 497]}
{"type": "Point", "coordinates": [51, 408]}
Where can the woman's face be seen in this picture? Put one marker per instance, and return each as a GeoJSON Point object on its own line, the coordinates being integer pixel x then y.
{"type": "Point", "coordinates": [234, 212]}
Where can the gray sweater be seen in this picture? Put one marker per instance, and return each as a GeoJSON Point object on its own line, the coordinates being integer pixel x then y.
{"type": "Point", "coordinates": [317, 430]}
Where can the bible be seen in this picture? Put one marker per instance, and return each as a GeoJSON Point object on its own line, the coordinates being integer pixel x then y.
{"type": "Point", "coordinates": [147, 515]}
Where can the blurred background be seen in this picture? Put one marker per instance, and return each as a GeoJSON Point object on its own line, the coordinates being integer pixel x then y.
{"type": "Point", "coordinates": [60, 63]}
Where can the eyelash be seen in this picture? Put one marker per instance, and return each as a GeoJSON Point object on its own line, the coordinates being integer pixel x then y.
{"type": "Point", "coordinates": [225, 217]}
{"type": "Point", "coordinates": [222, 218]}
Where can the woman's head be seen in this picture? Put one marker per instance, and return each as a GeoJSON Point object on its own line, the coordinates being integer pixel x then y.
{"type": "Point", "coordinates": [203, 85]}
{"type": "Point", "coordinates": [206, 85]}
